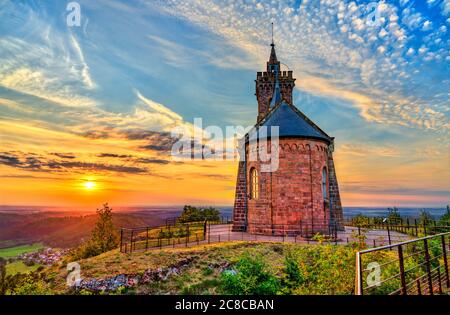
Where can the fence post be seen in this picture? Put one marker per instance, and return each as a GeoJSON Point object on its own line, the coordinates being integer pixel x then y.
{"type": "Point", "coordinates": [417, 230]}
{"type": "Point", "coordinates": [428, 266]}
{"type": "Point", "coordinates": [359, 275]}
{"type": "Point", "coordinates": [121, 238]}
{"type": "Point", "coordinates": [439, 279]}
{"type": "Point", "coordinates": [229, 232]}
{"type": "Point", "coordinates": [402, 269]}
{"type": "Point", "coordinates": [209, 232]}
{"type": "Point", "coordinates": [146, 240]}
{"type": "Point", "coordinates": [335, 234]}
{"type": "Point", "coordinates": [187, 235]}
{"type": "Point", "coordinates": [131, 245]}
{"type": "Point", "coordinates": [389, 234]}
{"type": "Point", "coordinates": [204, 229]}
{"type": "Point", "coordinates": [444, 254]}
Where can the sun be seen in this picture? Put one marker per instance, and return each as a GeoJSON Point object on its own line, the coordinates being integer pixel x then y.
{"type": "Point", "coordinates": [89, 185]}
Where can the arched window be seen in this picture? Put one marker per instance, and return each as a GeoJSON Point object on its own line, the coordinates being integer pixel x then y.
{"type": "Point", "coordinates": [254, 186]}
{"type": "Point", "coordinates": [324, 183]}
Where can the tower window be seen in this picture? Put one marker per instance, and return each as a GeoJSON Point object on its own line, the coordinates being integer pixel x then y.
{"type": "Point", "coordinates": [254, 185]}
{"type": "Point", "coordinates": [324, 183]}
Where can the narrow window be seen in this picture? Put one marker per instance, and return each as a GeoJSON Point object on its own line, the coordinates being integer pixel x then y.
{"type": "Point", "coordinates": [324, 183]}
{"type": "Point", "coordinates": [254, 188]}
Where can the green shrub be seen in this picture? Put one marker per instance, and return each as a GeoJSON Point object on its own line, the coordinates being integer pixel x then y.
{"type": "Point", "coordinates": [250, 277]}
{"type": "Point", "coordinates": [26, 284]}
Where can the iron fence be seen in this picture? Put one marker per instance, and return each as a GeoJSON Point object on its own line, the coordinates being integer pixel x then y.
{"type": "Point", "coordinates": [367, 234]}
{"type": "Point", "coordinates": [418, 267]}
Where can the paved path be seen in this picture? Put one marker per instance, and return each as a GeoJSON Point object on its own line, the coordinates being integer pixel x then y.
{"type": "Point", "coordinates": [223, 233]}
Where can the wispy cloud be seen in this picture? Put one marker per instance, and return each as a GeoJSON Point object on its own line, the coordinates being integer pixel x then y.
{"type": "Point", "coordinates": [334, 51]}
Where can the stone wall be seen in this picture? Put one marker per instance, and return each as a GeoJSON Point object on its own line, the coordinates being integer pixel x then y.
{"type": "Point", "coordinates": [292, 195]}
{"type": "Point", "coordinates": [240, 200]}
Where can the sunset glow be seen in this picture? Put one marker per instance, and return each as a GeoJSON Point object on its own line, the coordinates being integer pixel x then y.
{"type": "Point", "coordinates": [86, 113]}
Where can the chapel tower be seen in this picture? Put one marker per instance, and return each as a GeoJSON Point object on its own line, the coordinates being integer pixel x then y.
{"type": "Point", "coordinates": [302, 193]}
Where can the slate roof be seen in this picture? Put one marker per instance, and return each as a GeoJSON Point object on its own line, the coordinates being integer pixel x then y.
{"type": "Point", "coordinates": [292, 123]}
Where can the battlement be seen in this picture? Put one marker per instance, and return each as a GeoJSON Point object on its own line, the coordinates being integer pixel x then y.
{"type": "Point", "coordinates": [270, 76]}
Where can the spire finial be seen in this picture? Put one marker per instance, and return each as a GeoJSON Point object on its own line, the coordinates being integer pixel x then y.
{"type": "Point", "coordinates": [272, 36]}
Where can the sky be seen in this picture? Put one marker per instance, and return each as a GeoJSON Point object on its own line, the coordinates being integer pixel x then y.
{"type": "Point", "coordinates": [86, 112]}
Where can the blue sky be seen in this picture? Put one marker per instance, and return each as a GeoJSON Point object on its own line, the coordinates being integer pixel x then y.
{"type": "Point", "coordinates": [382, 90]}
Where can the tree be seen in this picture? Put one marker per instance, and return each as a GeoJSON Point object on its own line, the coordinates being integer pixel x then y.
{"type": "Point", "coordinates": [104, 235]}
{"type": "Point", "coordinates": [445, 219]}
{"type": "Point", "coordinates": [211, 214]}
{"type": "Point", "coordinates": [193, 214]}
{"type": "Point", "coordinates": [394, 215]}
{"type": "Point", "coordinates": [425, 217]}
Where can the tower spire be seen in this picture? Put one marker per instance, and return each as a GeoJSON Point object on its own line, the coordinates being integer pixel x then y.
{"type": "Point", "coordinates": [273, 55]}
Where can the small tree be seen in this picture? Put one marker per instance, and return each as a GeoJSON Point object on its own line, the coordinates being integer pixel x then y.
{"type": "Point", "coordinates": [193, 214]}
{"type": "Point", "coordinates": [211, 214]}
{"type": "Point", "coordinates": [445, 219]}
{"type": "Point", "coordinates": [394, 215]}
{"type": "Point", "coordinates": [425, 217]}
{"type": "Point", "coordinates": [104, 235]}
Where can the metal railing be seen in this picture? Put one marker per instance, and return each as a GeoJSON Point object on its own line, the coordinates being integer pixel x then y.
{"type": "Point", "coordinates": [171, 234]}
{"type": "Point", "coordinates": [415, 267]}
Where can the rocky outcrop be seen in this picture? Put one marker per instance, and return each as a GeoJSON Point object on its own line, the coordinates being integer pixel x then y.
{"type": "Point", "coordinates": [131, 280]}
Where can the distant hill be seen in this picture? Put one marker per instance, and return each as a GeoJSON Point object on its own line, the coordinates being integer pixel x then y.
{"type": "Point", "coordinates": [57, 229]}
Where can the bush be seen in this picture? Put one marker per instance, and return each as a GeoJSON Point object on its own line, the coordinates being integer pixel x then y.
{"type": "Point", "coordinates": [250, 277]}
{"type": "Point", "coordinates": [294, 276]}
{"type": "Point", "coordinates": [360, 220]}
{"type": "Point", "coordinates": [26, 284]}
{"type": "Point", "coordinates": [2, 276]}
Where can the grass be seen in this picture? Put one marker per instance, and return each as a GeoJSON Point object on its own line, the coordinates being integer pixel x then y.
{"type": "Point", "coordinates": [20, 267]}
{"type": "Point", "coordinates": [327, 269]}
{"type": "Point", "coordinates": [18, 250]}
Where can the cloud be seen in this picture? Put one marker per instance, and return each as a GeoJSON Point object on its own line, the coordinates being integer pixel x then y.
{"type": "Point", "coordinates": [29, 161]}
{"type": "Point", "coordinates": [48, 64]}
{"type": "Point", "coordinates": [65, 155]}
{"type": "Point", "coordinates": [369, 150]}
{"type": "Point", "coordinates": [330, 44]}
